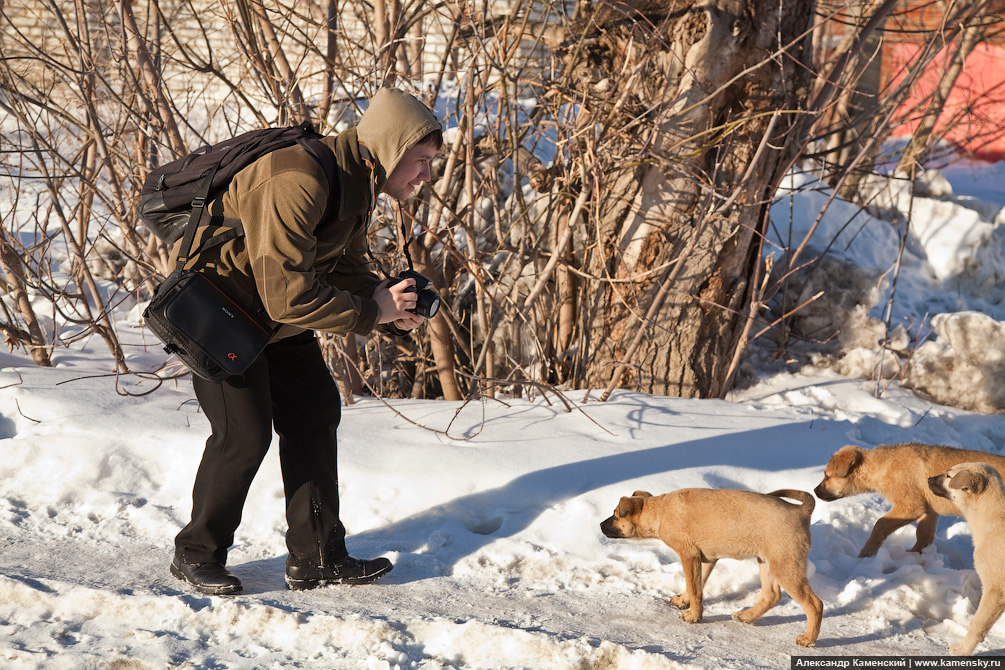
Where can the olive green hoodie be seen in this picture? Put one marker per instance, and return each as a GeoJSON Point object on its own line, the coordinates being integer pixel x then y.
{"type": "Point", "coordinates": [311, 274]}
{"type": "Point", "coordinates": [394, 122]}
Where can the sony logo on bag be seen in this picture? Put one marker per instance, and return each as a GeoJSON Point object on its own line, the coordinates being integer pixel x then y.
{"type": "Point", "coordinates": [227, 312]}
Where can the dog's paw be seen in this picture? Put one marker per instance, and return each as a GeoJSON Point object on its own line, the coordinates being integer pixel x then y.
{"type": "Point", "coordinates": [691, 616]}
{"type": "Point", "coordinates": [680, 601]}
{"type": "Point", "coordinates": [961, 648]}
{"type": "Point", "coordinates": [867, 552]}
{"type": "Point", "coordinates": [746, 616]}
{"type": "Point", "coordinates": [806, 641]}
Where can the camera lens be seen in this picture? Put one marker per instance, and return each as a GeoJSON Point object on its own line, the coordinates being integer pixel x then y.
{"type": "Point", "coordinates": [427, 303]}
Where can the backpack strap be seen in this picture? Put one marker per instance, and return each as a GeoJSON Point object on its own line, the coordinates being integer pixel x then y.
{"type": "Point", "coordinates": [324, 155]}
{"type": "Point", "coordinates": [198, 206]}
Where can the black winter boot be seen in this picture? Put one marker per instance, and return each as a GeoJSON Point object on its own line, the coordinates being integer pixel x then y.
{"type": "Point", "coordinates": [348, 571]}
{"type": "Point", "coordinates": [212, 578]}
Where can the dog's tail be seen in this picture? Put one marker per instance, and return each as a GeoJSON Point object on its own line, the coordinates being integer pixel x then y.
{"type": "Point", "coordinates": [807, 501]}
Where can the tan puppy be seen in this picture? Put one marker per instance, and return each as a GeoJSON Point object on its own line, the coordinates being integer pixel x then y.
{"type": "Point", "coordinates": [704, 525]}
{"type": "Point", "coordinates": [977, 490]}
{"type": "Point", "coordinates": [900, 474]}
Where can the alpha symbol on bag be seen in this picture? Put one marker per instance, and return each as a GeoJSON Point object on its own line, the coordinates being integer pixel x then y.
{"type": "Point", "coordinates": [232, 356]}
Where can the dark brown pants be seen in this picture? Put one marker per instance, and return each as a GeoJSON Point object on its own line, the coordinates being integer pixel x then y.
{"type": "Point", "coordinates": [289, 388]}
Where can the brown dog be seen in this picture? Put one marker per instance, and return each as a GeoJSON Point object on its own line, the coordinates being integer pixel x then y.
{"type": "Point", "coordinates": [704, 525]}
{"type": "Point", "coordinates": [977, 489]}
{"type": "Point", "coordinates": [900, 474]}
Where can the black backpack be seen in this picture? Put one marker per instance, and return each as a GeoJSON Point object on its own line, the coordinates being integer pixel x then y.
{"type": "Point", "coordinates": [175, 194]}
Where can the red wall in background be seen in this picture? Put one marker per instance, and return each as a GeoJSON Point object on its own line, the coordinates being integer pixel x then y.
{"type": "Point", "coordinates": [974, 118]}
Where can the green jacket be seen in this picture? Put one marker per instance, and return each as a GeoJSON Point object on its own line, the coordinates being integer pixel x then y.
{"type": "Point", "coordinates": [311, 274]}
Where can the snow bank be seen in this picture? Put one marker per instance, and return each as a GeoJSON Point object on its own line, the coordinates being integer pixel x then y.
{"type": "Point", "coordinates": [928, 314]}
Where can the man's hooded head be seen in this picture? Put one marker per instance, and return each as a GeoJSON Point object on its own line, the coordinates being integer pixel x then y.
{"type": "Point", "coordinates": [393, 123]}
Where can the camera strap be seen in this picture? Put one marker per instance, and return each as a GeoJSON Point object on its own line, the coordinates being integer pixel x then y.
{"type": "Point", "coordinates": [405, 240]}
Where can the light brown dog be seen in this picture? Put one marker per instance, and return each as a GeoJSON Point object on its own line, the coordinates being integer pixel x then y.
{"type": "Point", "coordinates": [977, 489]}
{"type": "Point", "coordinates": [900, 474]}
{"type": "Point", "coordinates": [704, 525]}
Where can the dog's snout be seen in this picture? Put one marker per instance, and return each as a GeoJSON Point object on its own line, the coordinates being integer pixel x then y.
{"type": "Point", "coordinates": [609, 528]}
{"type": "Point", "coordinates": [935, 484]}
{"type": "Point", "coordinates": [824, 494]}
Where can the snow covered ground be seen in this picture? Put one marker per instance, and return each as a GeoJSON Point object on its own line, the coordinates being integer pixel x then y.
{"type": "Point", "coordinates": [490, 511]}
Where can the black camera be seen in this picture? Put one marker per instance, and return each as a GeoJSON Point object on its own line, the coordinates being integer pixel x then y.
{"type": "Point", "coordinates": [427, 301]}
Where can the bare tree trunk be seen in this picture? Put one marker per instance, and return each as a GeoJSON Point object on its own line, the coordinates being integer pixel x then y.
{"type": "Point", "coordinates": [354, 382]}
{"type": "Point", "coordinates": [677, 200]}
{"type": "Point", "coordinates": [480, 317]}
{"type": "Point", "coordinates": [34, 338]}
{"type": "Point", "coordinates": [857, 102]}
{"type": "Point", "coordinates": [331, 58]}
{"type": "Point", "coordinates": [381, 38]}
{"type": "Point", "coordinates": [161, 108]}
{"type": "Point", "coordinates": [440, 338]}
{"type": "Point", "coordinates": [293, 99]}
{"type": "Point", "coordinates": [414, 51]}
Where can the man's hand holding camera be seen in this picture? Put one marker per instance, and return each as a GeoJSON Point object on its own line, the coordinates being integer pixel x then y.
{"type": "Point", "coordinates": [406, 300]}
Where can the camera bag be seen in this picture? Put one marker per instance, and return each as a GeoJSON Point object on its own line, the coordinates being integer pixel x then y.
{"type": "Point", "coordinates": [199, 323]}
{"type": "Point", "coordinates": [204, 328]}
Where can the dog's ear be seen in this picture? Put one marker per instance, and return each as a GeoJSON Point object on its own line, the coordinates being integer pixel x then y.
{"type": "Point", "coordinates": [642, 494]}
{"type": "Point", "coordinates": [969, 480]}
{"type": "Point", "coordinates": [846, 459]}
{"type": "Point", "coordinates": [629, 507]}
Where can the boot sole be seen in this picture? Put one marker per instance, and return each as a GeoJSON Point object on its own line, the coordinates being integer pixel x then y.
{"type": "Point", "coordinates": [208, 590]}
{"type": "Point", "coordinates": [306, 584]}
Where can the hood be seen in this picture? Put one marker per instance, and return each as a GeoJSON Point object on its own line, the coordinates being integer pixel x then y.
{"type": "Point", "coordinates": [393, 123]}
